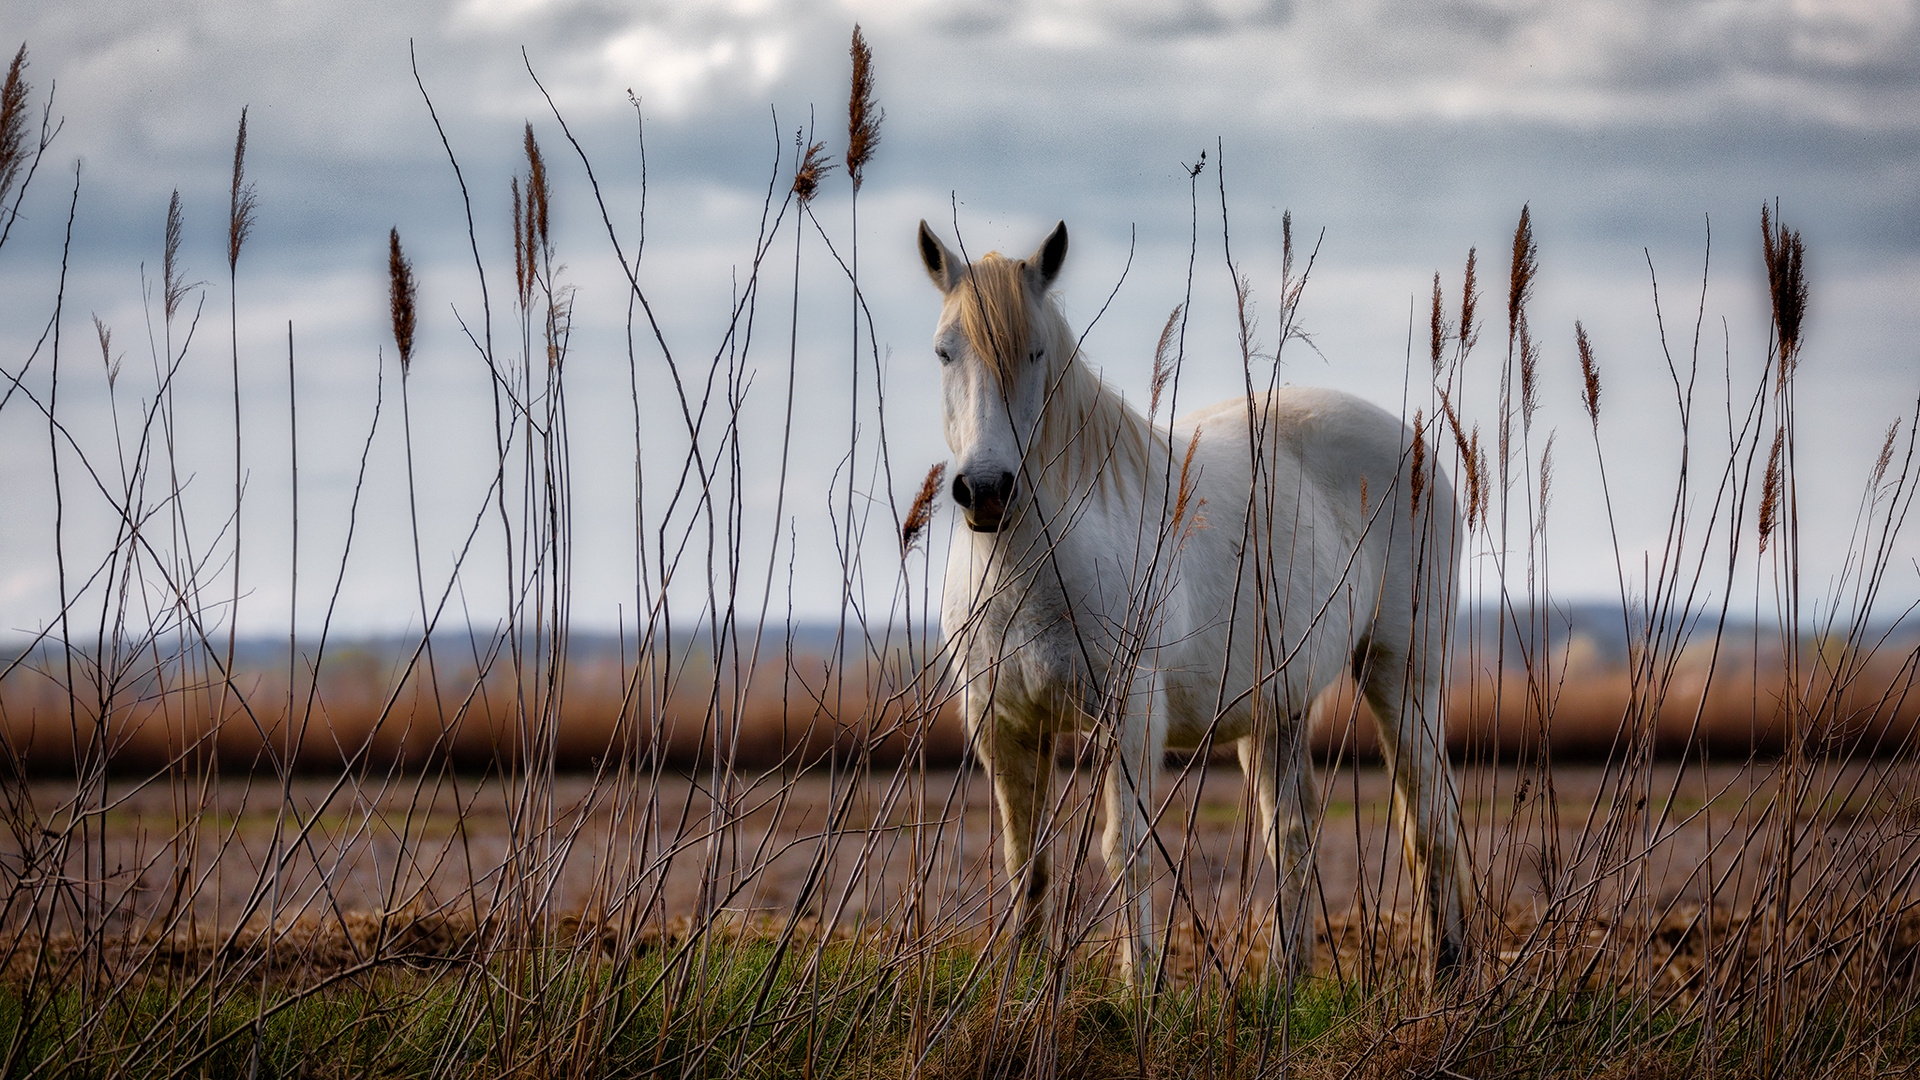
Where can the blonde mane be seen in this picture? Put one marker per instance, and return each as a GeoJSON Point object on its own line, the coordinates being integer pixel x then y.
{"type": "Point", "coordinates": [1089, 436]}
{"type": "Point", "coordinates": [992, 298]}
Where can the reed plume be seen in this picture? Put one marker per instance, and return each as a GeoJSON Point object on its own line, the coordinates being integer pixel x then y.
{"type": "Point", "coordinates": [1469, 451]}
{"type": "Point", "coordinates": [1469, 301]}
{"type": "Point", "coordinates": [1419, 458]}
{"type": "Point", "coordinates": [1478, 489]}
{"type": "Point", "coordinates": [1770, 499]}
{"type": "Point", "coordinates": [1786, 284]}
{"type": "Point", "coordinates": [1526, 263]}
{"type": "Point", "coordinates": [1589, 372]}
{"type": "Point", "coordinates": [402, 294]}
{"type": "Point", "coordinates": [1180, 508]}
{"type": "Point", "coordinates": [1546, 481]}
{"type": "Point", "coordinates": [174, 287]}
{"type": "Point", "coordinates": [537, 193]}
{"type": "Point", "coordinates": [863, 115]}
{"type": "Point", "coordinates": [921, 512]}
{"type": "Point", "coordinates": [1162, 363]}
{"type": "Point", "coordinates": [522, 262]}
{"type": "Point", "coordinates": [13, 122]}
{"type": "Point", "coordinates": [1886, 455]}
{"type": "Point", "coordinates": [1526, 267]}
{"type": "Point", "coordinates": [105, 333]}
{"type": "Point", "coordinates": [813, 167]}
{"type": "Point", "coordinates": [241, 201]}
{"type": "Point", "coordinates": [1438, 330]}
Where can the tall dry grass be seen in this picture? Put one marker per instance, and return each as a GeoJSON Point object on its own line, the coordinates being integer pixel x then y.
{"type": "Point", "coordinates": [218, 861]}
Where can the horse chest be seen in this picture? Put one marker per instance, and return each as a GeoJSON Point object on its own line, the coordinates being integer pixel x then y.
{"type": "Point", "coordinates": [1021, 644]}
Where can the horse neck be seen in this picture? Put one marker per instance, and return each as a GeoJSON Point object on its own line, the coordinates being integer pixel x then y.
{"type": "Point", "coordinates": [1091, 441]}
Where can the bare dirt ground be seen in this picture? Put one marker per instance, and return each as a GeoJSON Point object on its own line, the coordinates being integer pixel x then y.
{"type": "Point", "coordinates": [884, 850]}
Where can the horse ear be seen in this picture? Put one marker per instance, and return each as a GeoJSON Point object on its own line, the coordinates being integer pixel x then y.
{"type": "Point", "coordinates": [1046, 262]}
{"type": "Point", "coordinates": [940, 263]}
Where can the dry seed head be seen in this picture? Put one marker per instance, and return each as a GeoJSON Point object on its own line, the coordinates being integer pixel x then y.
{"type": "Point", "coordinates": [1529, 385]}
{"type": "Point", "coordinates": [1162, 363]}
{"type": "Point", "coordinates": [1526, 264]}
{"type": "Point", "coordinates": [921, 512]}
{"type": "Point", "coordinates": [105, 334]}
{"type": "Point", "coordinates": [13, 122]}
{"type": "Point", "coordinates": [1477, 489]}
{"type": "Point", "coordinates": [1363, 496]}
{"type": "Point", "coordinates": [1590, 373]}
{"type": "Point", "coordinates": [241, 202]}
{"type": "Point", "coordinates": [174, 287]}
{"type": "Point", "coordinates": [1770, 498]}
{"type": "Point", "coordinates": [1886, 455]}
{"type": "Point", "coordinates": [813, 166]}
{"type": "Point", "coordinates": [1190, 513]}
{"type": "Point", "coordinates": [522, 280]}
{"type": "Point", "coordinates": [536, 195]}
{"type": "Point", "coordinates": [1469, 300]}
{"type": "Point", "coordinates": [1286, 246]}
{"type": "Point", "coordinates": [863, 116]}
{"type": "Point", "coordinates": [1469, 453]}
{"type": "Point", "coordinates": [1546, 480]}
{"type": "Point", "coordinates": [1419, 459]}
{"type": "Point", "coordinates": [1787, 285]}
{"type": "Point", "coordinates": [1438, 325]}
{"type": "Point", "coordinates": [1186, 480]}
{"type": "Point", "coordinates": [402, 296]}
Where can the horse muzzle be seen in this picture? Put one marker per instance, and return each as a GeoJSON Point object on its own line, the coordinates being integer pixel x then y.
{"type": "Point", "coordinates": [983, 499]}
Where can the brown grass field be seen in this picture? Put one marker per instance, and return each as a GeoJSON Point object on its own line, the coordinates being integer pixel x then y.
{"type": "Point", "coordinates": [1695, 853]}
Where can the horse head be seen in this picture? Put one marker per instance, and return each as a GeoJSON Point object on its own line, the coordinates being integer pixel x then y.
{"type": "Point", "coordinates": [1000, 343]}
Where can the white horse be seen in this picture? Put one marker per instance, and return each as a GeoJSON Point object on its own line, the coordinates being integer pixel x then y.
{"type": "Point", "coordinates": [1182, 587]}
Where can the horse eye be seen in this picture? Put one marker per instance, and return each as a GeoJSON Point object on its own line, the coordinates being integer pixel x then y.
{"type": "Point", "coordinates": [945, 356]}
{"type": "Point", "coordinates": [1036, 355]}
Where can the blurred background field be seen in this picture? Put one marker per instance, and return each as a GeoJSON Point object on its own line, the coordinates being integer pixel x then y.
{"type": "Point", "coordinates": [1718, 697]}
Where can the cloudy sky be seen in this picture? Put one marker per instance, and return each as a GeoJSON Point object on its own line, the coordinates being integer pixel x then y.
{"type": "Point", "coordinates": [1399, 135]}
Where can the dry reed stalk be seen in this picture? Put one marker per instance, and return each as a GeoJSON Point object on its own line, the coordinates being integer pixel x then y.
{"type": "Point", "coordinates": [921, 512]}
{"type": "Point", "coordinates": [863, 116]}
{"type": "Point", "coordinates": [402, 297]}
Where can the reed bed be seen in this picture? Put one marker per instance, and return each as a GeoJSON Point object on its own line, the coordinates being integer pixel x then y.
{"type": "Point", "coordinates": [696, 851]}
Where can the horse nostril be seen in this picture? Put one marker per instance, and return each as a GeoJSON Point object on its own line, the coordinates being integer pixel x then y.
{"type": "Point", "coordinates": [962, 492]}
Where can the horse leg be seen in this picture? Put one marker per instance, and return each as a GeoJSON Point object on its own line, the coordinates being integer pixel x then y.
{"type": "Point", "coordinates": [1274, 758]}
{"type": "Point", "coordinates": [1403, 687]}
{"type": "Point", "coordinates": [1022, 772]}
{"type": "Point", "coordinates": [1135, 761]}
